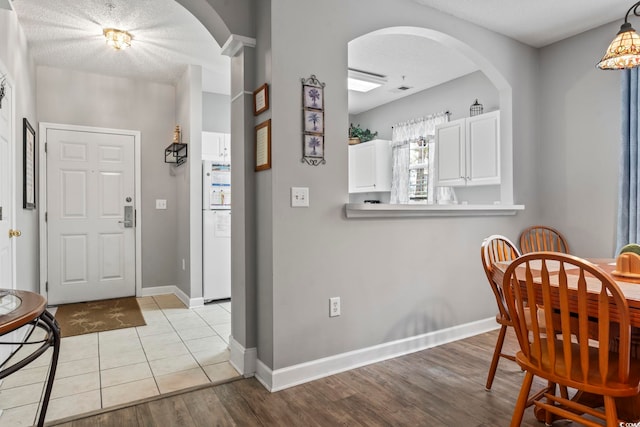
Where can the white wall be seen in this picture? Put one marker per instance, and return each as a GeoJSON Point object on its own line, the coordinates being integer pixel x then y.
{"type": "Point", "coordinates": [216, 112]}
{"type": "Point", "coordinates": [15, 56]}
{"type": "Point", "coordinates": [397, 277]}
{"type": "Point", "coordinates": [78, 98]}
{"type": "Point", "coordinates": [579, 143]}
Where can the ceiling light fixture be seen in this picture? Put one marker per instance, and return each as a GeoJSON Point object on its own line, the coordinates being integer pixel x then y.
{"type": "Point", "coordinates": [118, 39]}
{"type": "Point", "coordinates": [624, 50]}
{"type": "Point", "coordinates": [364, 81]}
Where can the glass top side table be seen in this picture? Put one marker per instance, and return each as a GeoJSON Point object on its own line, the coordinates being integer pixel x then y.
{"type": "Point", "coordinates": [20, 309]}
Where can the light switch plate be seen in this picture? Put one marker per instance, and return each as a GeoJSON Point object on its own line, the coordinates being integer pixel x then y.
{"type": "Point", "coordinates": [299, 197]}
{"type": "Point", "coordinates": [161, 204]}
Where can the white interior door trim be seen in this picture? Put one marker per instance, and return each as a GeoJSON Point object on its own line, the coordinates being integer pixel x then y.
{"type": "Point", "coordinates": [42, 196]}
{"type": "Point", "coordinates": [13, 141]}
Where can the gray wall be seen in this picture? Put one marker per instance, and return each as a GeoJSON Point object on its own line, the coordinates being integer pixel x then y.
{"type": "Point", "coordinates": [397, 277]}
{"type": "Point", "coordinates": [14, 54]}
{"type": "Point", "coordinates": [455, 96]}
{"type": "Point", "coordinates": [78, 98]}
{"type": "Point", "coordinates": [216, 112]}
{"type": "Point", "coordinates": [579, 143]}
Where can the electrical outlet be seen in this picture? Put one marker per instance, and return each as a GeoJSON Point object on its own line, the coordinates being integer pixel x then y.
{"type": "Point", "coordinates": [299, 197]}
{"type": "Point", "coordinates": [334, 306]}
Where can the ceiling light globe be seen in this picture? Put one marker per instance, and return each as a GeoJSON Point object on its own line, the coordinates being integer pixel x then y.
{"type": "Point", "coordinates": [117, 39]}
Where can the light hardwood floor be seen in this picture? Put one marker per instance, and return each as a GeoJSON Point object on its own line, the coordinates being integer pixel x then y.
{"type": "Point", "coordinates": [442, 386]}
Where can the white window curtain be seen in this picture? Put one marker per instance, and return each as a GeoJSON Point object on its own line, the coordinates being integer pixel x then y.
{"type": "Point", "coordinates": [403, 135]}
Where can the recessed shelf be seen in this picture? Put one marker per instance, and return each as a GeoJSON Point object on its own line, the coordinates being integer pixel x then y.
{"type": "Point", "coordinates": [175, 153]}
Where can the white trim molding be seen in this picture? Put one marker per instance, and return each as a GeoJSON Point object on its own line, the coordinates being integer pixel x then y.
{"type": "Point", "coordinates": [234, 43]}
{"type": "Point", "coordinates": [279, 379]}
{"type": "Point", "coordinates": [379, 210]}
{"type": "Point", "coordinates": [243, 359]}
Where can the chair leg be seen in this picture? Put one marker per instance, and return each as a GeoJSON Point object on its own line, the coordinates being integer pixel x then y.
{"type": "Point", "coordinates": [496, 357]}
{"type": "Point", "coordinates": [548, 419]}
{"type": "Point", "coordinates": [610, 411]}
{"type": "Point", "coordinates": [521, 403]}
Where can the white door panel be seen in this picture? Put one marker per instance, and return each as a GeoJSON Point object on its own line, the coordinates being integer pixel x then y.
{"type": "Point", "coordinates": [91, 254]}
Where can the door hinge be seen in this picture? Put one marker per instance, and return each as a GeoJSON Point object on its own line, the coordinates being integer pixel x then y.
{"type": "Point", "coordinates": [46, 216]}
{"type": "Point", "coordinates": [46, 286]}
{"type": "Point", "coordinates": [45, 147]}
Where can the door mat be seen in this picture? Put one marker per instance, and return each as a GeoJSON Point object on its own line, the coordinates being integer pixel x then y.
{"type": "Point", "coordinates": [98, 316]}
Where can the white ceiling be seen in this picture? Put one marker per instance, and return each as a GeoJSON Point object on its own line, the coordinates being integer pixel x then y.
{"type": "Point", "coordinates": [167, 37]}
{"type": "Point", "coordinates": [535, 22]}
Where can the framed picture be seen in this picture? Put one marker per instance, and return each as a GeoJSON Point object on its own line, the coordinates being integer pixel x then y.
{"type": "Point", "coordinates": [261, 99]}
{"type": "Point", "coordinates": [263, 146]}
{"type": "Point", "coordinates": [314, 146]}
{"type": "Point", "coordinates": [29, 166]}
{"type": "Point", "coordinates": [314, 121]}
{"type": "Point", "coordinates": [313, 96]}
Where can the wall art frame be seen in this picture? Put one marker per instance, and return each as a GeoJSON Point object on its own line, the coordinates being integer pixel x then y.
{"type": "Point", "coordinates": [313, 119]}
{"type": "Point", "coordinates": [263, 146]}
{"type": "Point", "coordinates": [261, 99]}
{"type": "Point", "coordinates": [28, 165]}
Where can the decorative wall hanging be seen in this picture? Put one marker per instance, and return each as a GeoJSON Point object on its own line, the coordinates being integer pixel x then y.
{"type": "Point", "coordinates": [263, 146]}
{"type": "Point", "coordinates": [29, 166]}
{"type": "Point", "coordinates": [261, 99]}
{"type": "Point", "coordinates": [312, 121]}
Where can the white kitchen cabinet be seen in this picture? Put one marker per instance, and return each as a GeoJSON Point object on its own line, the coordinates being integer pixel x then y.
{"type": "Point", "coordinates": [468, 151]}
{"type": "Point", "coordinates": [216, 147]}
{"type": "Point", "coordinates": [370, 166]}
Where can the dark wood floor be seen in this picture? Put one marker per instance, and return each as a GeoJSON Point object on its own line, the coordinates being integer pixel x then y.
{"type": "Point", "coordinates": [442, 386]}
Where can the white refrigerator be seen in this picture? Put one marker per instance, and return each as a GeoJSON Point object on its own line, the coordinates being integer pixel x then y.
{"type": "Point", "coordinates": [216, 228]}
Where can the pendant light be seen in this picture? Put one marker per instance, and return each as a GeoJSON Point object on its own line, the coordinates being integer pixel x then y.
{"type": "Point", "coordinates": [624, 50]}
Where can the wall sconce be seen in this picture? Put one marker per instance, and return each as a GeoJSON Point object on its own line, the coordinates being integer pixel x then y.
{"type": "Point", "coordinates": [624, 50]}
{"type": "Point", "coordinates": [176, 152]}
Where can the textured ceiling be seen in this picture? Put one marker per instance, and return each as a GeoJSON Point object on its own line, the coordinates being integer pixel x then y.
{"type": "Point", "coordinates": [166, 37]}
{"type": "Point", "coordinates": [68, 34]}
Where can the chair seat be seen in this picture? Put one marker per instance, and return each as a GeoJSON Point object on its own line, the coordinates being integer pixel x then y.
{"type": "Point", "coordinates": [612, 386]}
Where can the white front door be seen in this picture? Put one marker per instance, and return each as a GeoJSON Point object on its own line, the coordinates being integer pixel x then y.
{"type": "Point", "coordinates": [90, 243]}
{"type": "Point", "coordinates": [6, 192]}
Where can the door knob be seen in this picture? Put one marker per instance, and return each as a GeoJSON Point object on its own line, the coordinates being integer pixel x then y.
{"type": "Point", "coordinates": [14, 233]}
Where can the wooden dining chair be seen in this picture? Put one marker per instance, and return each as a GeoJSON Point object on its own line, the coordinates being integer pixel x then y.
{"type": "Point", "coordinates": [542, 238]}
{"type": "Point", "coordinates": [578, 305]}
{"type": "Point", "coordinates": [494, 249]}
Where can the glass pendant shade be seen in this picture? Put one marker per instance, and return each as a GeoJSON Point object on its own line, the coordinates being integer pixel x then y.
{"type": "Point", "coordinates": [624, 50]}
{"type": "Point", "coordinates": [117, 39]}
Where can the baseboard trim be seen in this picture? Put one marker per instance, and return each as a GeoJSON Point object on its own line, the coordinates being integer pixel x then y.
{"type": "Point", "coordinates": [280, 379]}
{"type": "Point", "coordinates": [243, 359]}
{"type": "Point", "coordinates": [171, 289]}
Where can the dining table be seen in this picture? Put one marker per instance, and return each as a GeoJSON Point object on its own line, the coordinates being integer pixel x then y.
{"type": "Point", "coordinates": [22, 313]}
{"type": "Point", "coordinates": [628, 408]}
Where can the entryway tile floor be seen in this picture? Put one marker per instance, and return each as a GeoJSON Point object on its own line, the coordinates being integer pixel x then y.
{"type": "Point", "coordinates": [177, 349]}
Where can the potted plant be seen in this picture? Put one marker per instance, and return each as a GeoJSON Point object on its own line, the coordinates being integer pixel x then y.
{"type": "Point", "coordinates": [358, 135]}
